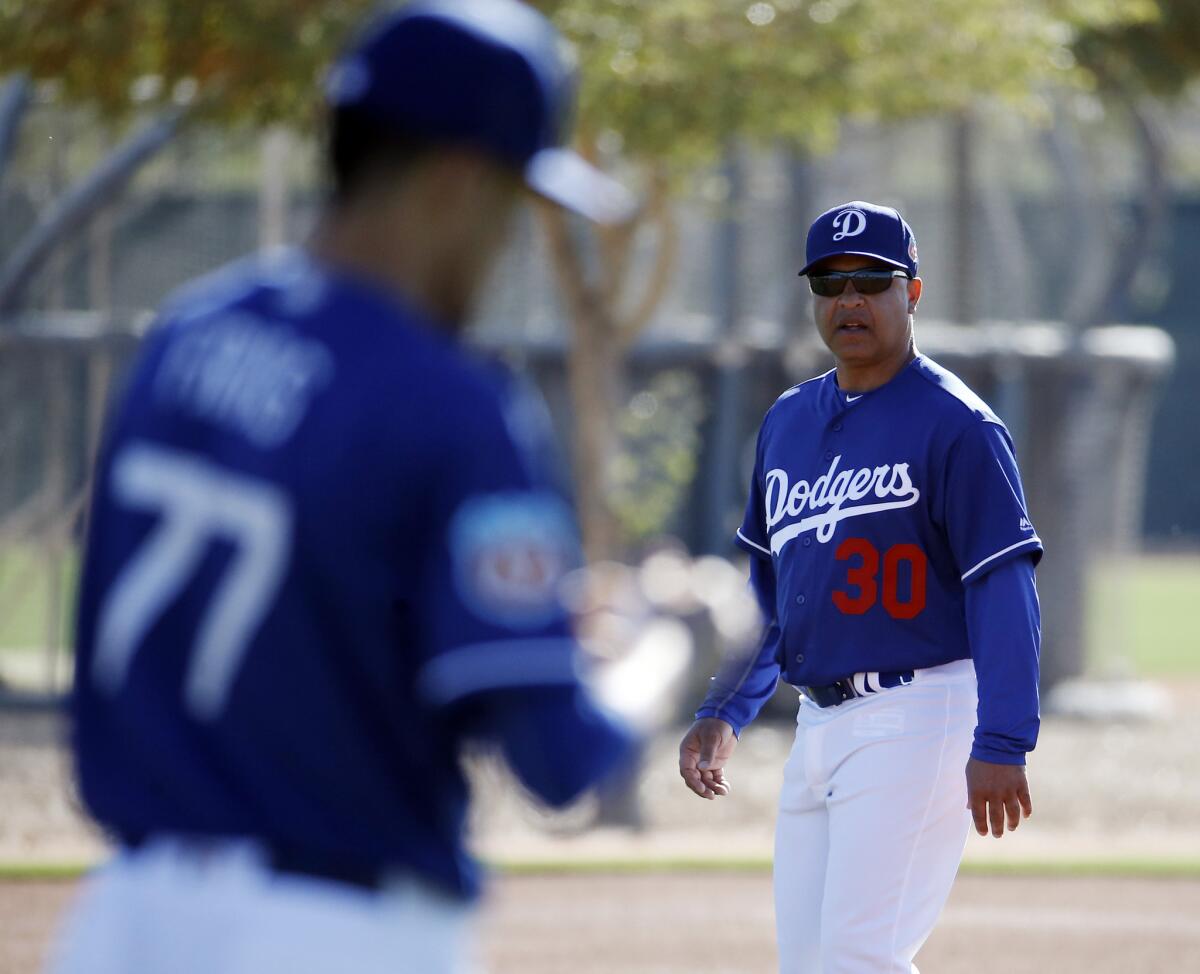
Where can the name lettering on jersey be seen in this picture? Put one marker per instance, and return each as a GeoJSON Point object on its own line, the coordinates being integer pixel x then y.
{"type": "Point", "coordinates": [244, 374]}
{"type": "Point", "coordinates": [833, 497]}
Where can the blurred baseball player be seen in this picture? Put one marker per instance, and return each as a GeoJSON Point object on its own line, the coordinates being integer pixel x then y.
{"type": "Point", "coordinates": [323, 553]}
{"type": "Point", "coordinates": [893, 559]}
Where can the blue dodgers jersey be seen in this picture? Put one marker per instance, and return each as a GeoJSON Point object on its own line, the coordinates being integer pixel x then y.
{"type": "Point", "coordinates": [876, 511]}
{"type": "Point", "coordinates": [320, 548]}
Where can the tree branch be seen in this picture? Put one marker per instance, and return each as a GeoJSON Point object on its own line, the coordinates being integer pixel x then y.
{"type": "Point", "coordinates": [81, 202]}
{"type": "Point", "coordinates": [13, 103]}
{"type": "Point", "coordinates": [1132, 250]}
{"type": "Point", "coordinates": [592, 364]}
{"type": "Point", "coordinates": [568, 268]}
{"type": "Point", "coordinates": [1088, 238]}
{"type": "Point", "coordinates": [658, 210]}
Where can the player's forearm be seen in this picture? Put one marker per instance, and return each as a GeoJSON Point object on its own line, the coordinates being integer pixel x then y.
{"type": "Point", "coordinates": [744, 683]}
{"type": "Point", "coordinates": [1004, 627]}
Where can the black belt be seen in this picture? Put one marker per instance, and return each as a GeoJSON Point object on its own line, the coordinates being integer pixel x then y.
{"type": "Point", "coordinates": [286, 860]}
{"type": "Point", "coordinates": [843, 690]}
{"type": "Point", "coordinates": [295, 862]}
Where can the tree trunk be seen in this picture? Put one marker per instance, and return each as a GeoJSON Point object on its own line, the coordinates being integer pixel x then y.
{"type": "Point", "coordinates": [591, 367]}
{"type": "Point", "coordinates": [100, 263]}
{"type": "Point", "coordinates": [1084, 235]}
{"type": "Point", "coordinates": [274, 194]}
{"type": "Point", "coordinates": [798, 213]}
{"type": "Point", "coordinates": [601, 336]}
{"type": "Point", "coordinates": [1148, 217]}
{"type": "Point", "coordinates": [13, 102]}
{"type": "Point", "coordinates": [721, 486]}
{"type": "Point", "coordinates": [963, 228]}
{"type": "Point", "coordinates": [1012, 248]}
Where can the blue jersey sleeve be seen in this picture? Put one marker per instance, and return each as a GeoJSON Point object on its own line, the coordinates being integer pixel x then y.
{"type": "Point", "coordinates": [498, 644]}
{"type": "Point", "coordinates": [555, 739]}
{"type": "Point", "coordinates": [1004, 628]}
{"type": "Point", "coordinates": [985, 515]}
{"type": "Point", "coordinates": [752, 535]}
{"type": "Point", "coordinates": [499, 543]}
{"type": "Point", "coordinates": [744, 683]}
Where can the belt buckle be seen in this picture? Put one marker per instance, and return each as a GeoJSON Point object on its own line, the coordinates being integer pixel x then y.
{"type": "Point", "coordinates": [824, 696]}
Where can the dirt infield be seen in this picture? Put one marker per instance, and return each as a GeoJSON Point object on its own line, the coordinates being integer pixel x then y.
{"type": "Point", "coordinates": [1104, 792]}
{"type": "Point", "coordinates": [721, 923]}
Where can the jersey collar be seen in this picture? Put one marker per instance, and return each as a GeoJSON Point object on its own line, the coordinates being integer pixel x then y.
{"type": "Point", "coordinates": [838, 401]}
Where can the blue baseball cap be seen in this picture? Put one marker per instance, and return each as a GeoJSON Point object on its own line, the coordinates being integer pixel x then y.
{"type": "Point", "coordinates": [863, 229]}
{"type": "Point", "coordinates": [491, 74]}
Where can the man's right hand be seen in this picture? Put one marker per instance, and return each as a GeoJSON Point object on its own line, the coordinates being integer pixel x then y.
{"type": "Point", "coordinates": [703, 753]}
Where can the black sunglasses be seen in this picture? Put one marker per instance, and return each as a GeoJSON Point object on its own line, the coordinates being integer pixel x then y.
{"type": "Point", "coordinates": [832, 283]}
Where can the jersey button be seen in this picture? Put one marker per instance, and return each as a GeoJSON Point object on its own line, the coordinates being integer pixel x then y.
{"type": "Point", "coordinates": [807, 542]}
{"type": "Point", "coordinates": [800, 600]}
{"type": "Point", "coordinates": [837, 427]}
{"type": "Point", "coordinates": [828, 454]}
{"type": "Point", "coordinates": [799, 657]}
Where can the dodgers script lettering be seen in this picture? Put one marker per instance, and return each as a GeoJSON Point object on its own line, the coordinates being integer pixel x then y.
{"type": "Point", "coordinates": [827, 498]}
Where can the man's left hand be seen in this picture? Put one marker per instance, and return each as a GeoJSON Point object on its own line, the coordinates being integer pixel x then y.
{"type": "Point", "coordinates": [996, 792]}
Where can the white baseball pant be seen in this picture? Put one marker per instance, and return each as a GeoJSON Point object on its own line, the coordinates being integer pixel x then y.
{"type": "Point", "coordinates": [187, 909]}
{"type": "Point", "coordinates": [872, 824]}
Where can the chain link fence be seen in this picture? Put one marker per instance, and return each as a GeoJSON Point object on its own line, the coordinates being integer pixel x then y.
{"type": "Point", "coordinates": [55, 380]}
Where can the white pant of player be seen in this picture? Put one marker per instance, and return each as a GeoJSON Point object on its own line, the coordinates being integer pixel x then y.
{"type": "Point", "coordinates": [872, 825]}
{"type": "Point", "coordinates": [172, 907]}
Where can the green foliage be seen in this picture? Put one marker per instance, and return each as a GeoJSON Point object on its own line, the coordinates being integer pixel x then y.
{"type": "Point", "coordinates": [679, 77]}
{"type": "Point", "coordinates": [258, 59]}
{"type": "Point", "coordinates": [660, 446]}
{"type": "Point", "coordinates": [673, 78]}
{"type": "Point", "coordinates": [1159, 56]}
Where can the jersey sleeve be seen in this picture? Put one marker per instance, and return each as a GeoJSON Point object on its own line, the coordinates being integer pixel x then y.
{"type": "Point", "coordinates": [986, 520]}
{"type": "Point", "coordinates": [498, 653]}
{"type": "Point", "coordinates": [1004, 628]}
{"type": "Point", "coordinates": [745, 682]}
{"type": "Point", "coordinates": [752, 535]}
{"type": "Point", "coordinates": [500, 542]}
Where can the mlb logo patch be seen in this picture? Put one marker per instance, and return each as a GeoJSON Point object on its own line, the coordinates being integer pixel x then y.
{"type": "Point", "coordinates": [510, 552]}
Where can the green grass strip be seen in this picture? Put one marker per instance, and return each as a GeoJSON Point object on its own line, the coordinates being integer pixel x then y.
{"type": "Point", "coordinates": [626, 867]}
{"type": "Point", "coordinates": [1131, 868]}
{"type": "Point", "coordinates": [17, 871]}
{"type": "Point", "coordinates": [1026, 868]}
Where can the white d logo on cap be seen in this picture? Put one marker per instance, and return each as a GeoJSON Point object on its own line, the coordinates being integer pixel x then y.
{"type": "Point", "coordinates": [850, 222]}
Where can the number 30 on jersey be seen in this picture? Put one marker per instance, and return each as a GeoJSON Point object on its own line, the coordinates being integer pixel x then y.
{"type": "Point", "coordinates": [865, 586]}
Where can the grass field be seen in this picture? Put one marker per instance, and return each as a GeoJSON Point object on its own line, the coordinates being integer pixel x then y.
{"type": "Point", "coordinates": [1129, 868]}
{"type": "Point", "coordinates": [1143, 619]}
{"type": "Point", "coordinates": [29, 583]}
